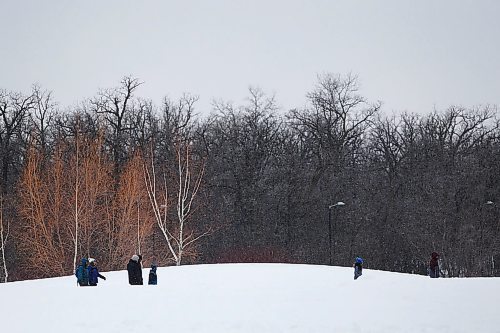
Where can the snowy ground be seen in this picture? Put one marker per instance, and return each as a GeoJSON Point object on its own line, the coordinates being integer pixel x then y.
{"type": "Point", "coordinates": [254, 298]}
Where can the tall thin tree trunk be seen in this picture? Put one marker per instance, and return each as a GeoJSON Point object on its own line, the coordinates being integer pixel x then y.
{"type": "Point", "coordinates": [150, 181]}
{"type": "Point", "coordinates": [3, 241]}
{"type": "Point", "coordinates": [138, 231]}
{"type": "Point", "coordinates": [76, 205]}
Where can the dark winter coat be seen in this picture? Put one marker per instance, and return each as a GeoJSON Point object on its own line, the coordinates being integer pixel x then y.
{"type": "Point", "coordinates": [358, 270]}
{"type": "Point", "coordinates": [434, 266]}
{"type": "Point", "coordinates": [134, 272]}
{"type": "Point", "coordinates": [93, 275]}
{"type": "Point", "coordinates": [153, 278]}
{"type": "Point", "coordinates": [81, 273]}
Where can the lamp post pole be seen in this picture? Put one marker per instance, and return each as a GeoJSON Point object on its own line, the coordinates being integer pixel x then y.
{"type": "Point", "coordinates": [488, 203]}
{"type": "Point", "coordinates": [340, 203]}
{"type": "Point", "coordinates": [330, 232]}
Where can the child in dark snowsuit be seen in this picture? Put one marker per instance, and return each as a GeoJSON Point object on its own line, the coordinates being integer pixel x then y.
{"type": "Point", "coordinates": [358, 267]}
{"type": "Point", "coordinates": [153, 278]}
{"type": "Point", "coordinates": [434, 265]}
{"type": "Point", "coordinates": [94, 273]}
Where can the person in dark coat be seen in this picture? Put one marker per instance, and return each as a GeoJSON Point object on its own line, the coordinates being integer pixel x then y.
{"type": "Point", "coordinates": [153, 278]}
{"type": "Point", "coordinates": [94, 273]}
{"type": "Point", "coordinates": [358, 267]}
{"type": "Point", "coordinates": [82, 273]}
{"type": "Point", "coordinates": [135, 270]}
{"type": "Point", "coordinates": [434, 265]}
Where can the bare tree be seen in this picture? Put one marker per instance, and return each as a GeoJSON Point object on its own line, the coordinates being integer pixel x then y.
{"type": "Point", "coordinates": [63, 204]}
{"type": "Point", "coordinates": [4, 236]}
{"type": "Point", "coordinates": [247, 139]}
{"type": "Point", "coordinates": [38, 241]}
{"type": "Point", "coordinates": [118, 109]}
{"type": "Point", "coordinates": [189, 184]}
{"type": "Point", "coordinates": [76, 200]}
{"type": "Point", "coordinates": [93, 191]}
{"type": "Point", "coordinates": [178, 235]}
{"type": "Point", "coordinates": [177, 118]}
{"type": "Point", "coordinates": [14, 108]}
{"type": "Point", "coordinates": [42, 117]}
{"type": "Point", "coordinates": [133, 223]}
{"type": "Point", "coordinates": [159, 199]}
{"type": "Point", "coordinates": [335, 125]}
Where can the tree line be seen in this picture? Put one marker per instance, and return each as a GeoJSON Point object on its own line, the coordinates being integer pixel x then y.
{"type": "Point", "coordinates": [118, 174]}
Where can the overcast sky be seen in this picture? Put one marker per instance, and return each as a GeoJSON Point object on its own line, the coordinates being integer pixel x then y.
{"type": "Point", "coordinates": [413, 55]}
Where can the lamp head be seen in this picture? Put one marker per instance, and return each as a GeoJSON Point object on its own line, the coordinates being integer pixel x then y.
{"type": "Point", "coordinates": [340, 203]}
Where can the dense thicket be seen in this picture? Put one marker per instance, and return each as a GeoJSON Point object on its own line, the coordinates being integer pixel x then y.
{"type": "Point", "coordinates": [118, 175]}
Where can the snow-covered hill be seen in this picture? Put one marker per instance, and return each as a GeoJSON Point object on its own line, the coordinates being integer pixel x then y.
{"type": "Point", "coordinates": [254, 298]}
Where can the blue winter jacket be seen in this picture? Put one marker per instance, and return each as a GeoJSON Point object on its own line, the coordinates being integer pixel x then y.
{"type": "Point", "coordinates": [81, 273]}
{"type": "Point", "coordinates": [93, 275]}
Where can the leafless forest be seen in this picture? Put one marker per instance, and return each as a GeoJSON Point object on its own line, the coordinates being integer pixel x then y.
{"type": "Point", "coordinates": [119, 174]}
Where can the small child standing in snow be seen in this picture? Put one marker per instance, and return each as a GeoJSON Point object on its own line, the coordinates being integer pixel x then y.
{"type": "Point", "coordinates": [153, 278]}
{"type": "Point", "coordinates": [358, 267]}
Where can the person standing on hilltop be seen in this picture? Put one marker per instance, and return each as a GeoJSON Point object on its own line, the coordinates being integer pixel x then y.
{"type": "Point", "coordinates": [434, 265]}
{"type": "Point", "coordinates": [358, 267]}
{"type": "Point", "coordinates": [153, 277]}
{"type": "Point", "coordinates": [134, 270]}
{"type": "Point", "coordinates": [94, 273]}
{"type": "Point", "coordinates": [82, 273]}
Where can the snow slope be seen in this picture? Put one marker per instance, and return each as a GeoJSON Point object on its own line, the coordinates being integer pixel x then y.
{"type": "Point", "coordinates": [254, 298]}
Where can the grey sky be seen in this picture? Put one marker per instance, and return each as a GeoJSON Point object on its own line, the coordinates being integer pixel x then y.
{"type": "Point", "coordinates": [413, 55]}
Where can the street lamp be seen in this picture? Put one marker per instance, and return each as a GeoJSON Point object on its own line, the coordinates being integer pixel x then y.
{"type": "Point", "coordinates": [338, 204]}
{"type": "Point", "coordinates": [491, 204]}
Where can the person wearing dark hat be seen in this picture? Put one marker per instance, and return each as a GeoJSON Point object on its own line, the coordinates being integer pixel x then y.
{"type": "Point", "coordinates": [134, 270]}
{"type": "Point", "coordinates": [434, 265]}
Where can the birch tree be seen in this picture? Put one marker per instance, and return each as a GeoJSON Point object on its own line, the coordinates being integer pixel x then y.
{"type": "Point", "coordinates": [76, 205]}
{"type": "Point", "coordinates": [179, 234]}
{"type": "Point", "coordinates": [189, 184]}
{"type": "Point", "coordinates": [92, 193]}
{"type": "Point", "coordinates": [4, 236]}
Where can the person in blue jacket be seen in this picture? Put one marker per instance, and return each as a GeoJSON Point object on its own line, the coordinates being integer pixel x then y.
{"type": "Point", "coordinates": [358, 267]}
{"type": "Point", "coordinates": [82, 273]}
{"type": "Point", "coordinates": [94, 273]}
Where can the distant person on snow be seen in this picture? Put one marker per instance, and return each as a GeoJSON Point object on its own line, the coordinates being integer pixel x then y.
{"type": "Point", "coordinates": [94, 273]}
{"type": "Point", "coordinates": [434, 265]}
{"type": "Point", "coordinates": [153, 278]}
{"type": "Point", "coordinates": [135, 270]}
{"type": "Point", "coordinates": [82, 273]}
{"type": "Point", "coordinates": [358, 267]}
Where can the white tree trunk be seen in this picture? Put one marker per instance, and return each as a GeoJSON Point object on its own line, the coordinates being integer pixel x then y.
{"type": "Point", "coordinates": [77, 184]}
{"type": "Point", "coordinates": [150, 181]}
{"type": "Point", "coordinates": [185, 196]}
{"type": "Point", "coordinates": [3, 240]}
{"type": "Point", "coordinates": [138, 231]}
{"type": "Point", "coordinates": [186, 193]}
